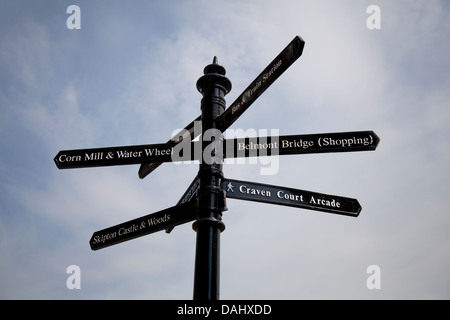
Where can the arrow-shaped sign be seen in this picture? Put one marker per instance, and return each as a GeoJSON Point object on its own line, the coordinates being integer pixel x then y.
{"type": "Point", "coordinates": [268, 76]}
{"type": "Point", "coordinates": [301, 144]}
{"type": "Point", "coordinates": [275, 69]}
{"type": "Point", "coordinates": [112, 156]}
{"type": "Point", "coordinates": [187, 133]}
{"type": "Point", "coordinates": [188, 195]}
{"type": "Point", "coordinates": [151, 223]}
{"type": "Point", "coordinates": [259, 192]}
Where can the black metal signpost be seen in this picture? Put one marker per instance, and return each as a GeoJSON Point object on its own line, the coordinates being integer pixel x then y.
{"type": "Point", "coordinates": [259, 192]}
{"type": "Point", "coordinates": [151, 223]}
{"type": "Point", "coordinates": [205, 199]}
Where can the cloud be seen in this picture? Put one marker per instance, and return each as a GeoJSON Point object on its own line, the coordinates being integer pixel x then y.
{"type": "Point", "coordinates": [124, 79]}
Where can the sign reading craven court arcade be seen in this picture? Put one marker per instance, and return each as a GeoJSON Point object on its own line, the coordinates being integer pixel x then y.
{"type": "Point", "coordinates": [259, 192]}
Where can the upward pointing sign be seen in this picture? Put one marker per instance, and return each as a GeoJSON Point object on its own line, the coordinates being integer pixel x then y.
{"type": "Point", "coordinates": [271, 73]}
{"type": "Point", "coordinates": [268, 76]}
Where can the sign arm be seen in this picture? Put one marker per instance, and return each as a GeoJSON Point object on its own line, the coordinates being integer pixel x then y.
{"type": "Point", "coordinates": [268, 76]}
{"type": "Point", "coordinates": [190, 193]}
{"type": "Point", "coordinates": [271, 73]}
{"type": "Point", "coordinates": [148, 167]}
{"type": "Point", "coordinates": [301, 144]}
{"type": "Point", "coordinates": [145, 225]}
{"type": "Point", "coordinates": [259, 192]}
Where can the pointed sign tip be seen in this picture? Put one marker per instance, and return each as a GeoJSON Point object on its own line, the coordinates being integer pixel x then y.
{"type": "Point", "coordinates": [376, 138]}
{"type": "Point", "coordinates": [299, 44]}
{"type": "Point", "coordinates": [356, 208]}
{"type": "Point", "coordinates": [56, 160]}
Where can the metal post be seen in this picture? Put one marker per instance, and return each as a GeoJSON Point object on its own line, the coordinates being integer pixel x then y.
{"type": "Point", "coordinates": [213, 85]}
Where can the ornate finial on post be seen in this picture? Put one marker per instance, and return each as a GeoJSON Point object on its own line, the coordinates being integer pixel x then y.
{"type": "Point", "coordinates": [214, 74]}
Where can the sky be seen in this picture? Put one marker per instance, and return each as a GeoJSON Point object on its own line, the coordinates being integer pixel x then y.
{"type": "Point", "coordinates": [128, 76]}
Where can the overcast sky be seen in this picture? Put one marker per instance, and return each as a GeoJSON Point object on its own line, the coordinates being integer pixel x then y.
{"type": "Point", "coordinates": [128, 76]}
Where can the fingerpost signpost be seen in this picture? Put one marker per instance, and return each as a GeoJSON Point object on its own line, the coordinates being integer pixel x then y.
{"type": "Point", "coordinates": [205, 200]}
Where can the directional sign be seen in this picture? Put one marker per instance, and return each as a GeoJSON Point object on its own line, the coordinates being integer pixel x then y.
{"type": "Point", "coordinates": [271, 73]}
{"type": "Point", "coordinates": [189, 194]}
{"type": "Point", "coordinates": [280, 64]}
{"type": "Point", "coordinates": [187, 133]}
{"type": "Point", "coordinates": [259, 192]}
{"type": "Point", "coordinates": [112, 156]}
{"type": "Point", "coordinates": [145, 225]}
{"type": "Point", "coordinates": [301, 144]}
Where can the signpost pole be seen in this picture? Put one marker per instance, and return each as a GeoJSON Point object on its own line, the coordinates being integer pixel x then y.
{"type": "Point", "coordinates": [213, 85]}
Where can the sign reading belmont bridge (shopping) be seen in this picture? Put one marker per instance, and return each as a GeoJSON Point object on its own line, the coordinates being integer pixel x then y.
{"type": "Point", "coordinates": [205, 199]}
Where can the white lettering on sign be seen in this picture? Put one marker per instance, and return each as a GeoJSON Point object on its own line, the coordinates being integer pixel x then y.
{"type": "Point", "coordinates": [326, 142]}
{"type": "Point", "coordinates": [104, 237]}
{"type": "Point", "coordinates": [123, 231]}
{"type": "Point", "coordinates": [289, 196]}
{"type": "Point", "coordinates": [254, 191]}
{"type": "Point", "coordinates": [256, 146]}
{"type": "Point", "coordinates": [155, 221]}
{"type": "Point", "coordinates": [285, 144]}
{"type": "Point", "coordinates": [333, 203]}
{"type": "Point", "coordinates": [130, 229]}
{"type": "Point", "coordinates": [158, 152]}
{"type": "Point", "coordinates": [272, 70]}
{"type": "Point", "coordinates": [249, 93]}
{"type": "Point", "coordinates": [93, 156]}
{"type": "Point", "coordinates": [129, 154]}
{"type": "Point", "coordinates": [66, 158]}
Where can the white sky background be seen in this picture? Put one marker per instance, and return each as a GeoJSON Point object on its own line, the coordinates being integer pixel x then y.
{"type": "Point", "coordinates": [128, 77]}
